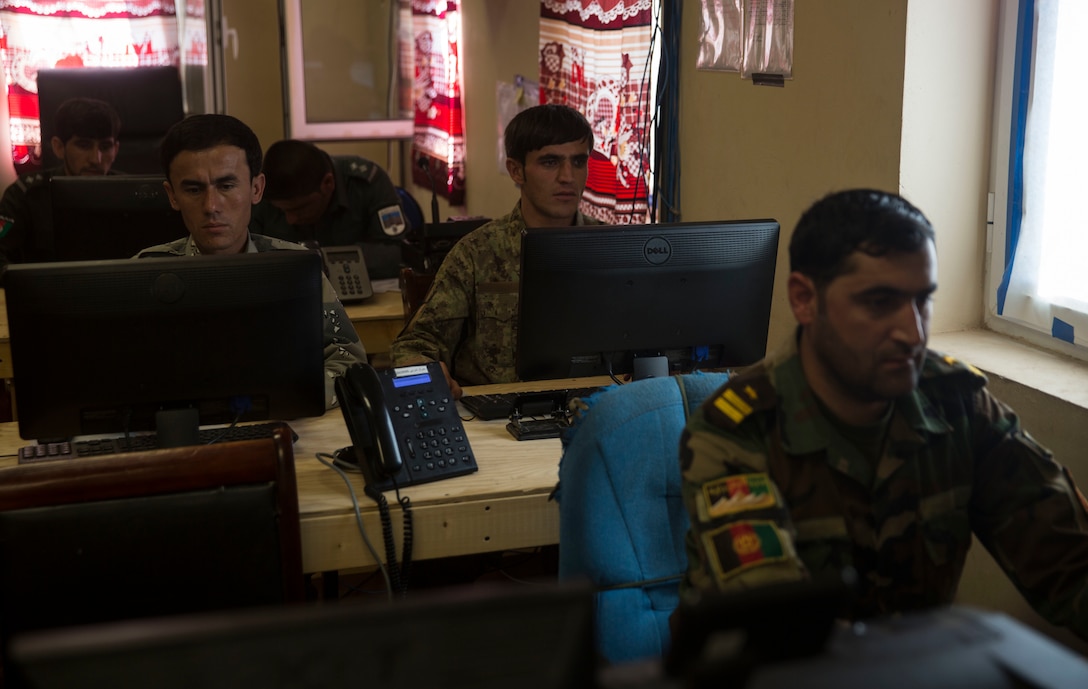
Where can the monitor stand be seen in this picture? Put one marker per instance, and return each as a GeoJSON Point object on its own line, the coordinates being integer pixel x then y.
{"type": "Point", "coordinates": [649, 367]}
{"type": "Point", "coordinates": [177, 427]}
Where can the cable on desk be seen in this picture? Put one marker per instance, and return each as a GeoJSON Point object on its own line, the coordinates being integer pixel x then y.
{"type": "Point", "coordinates": [330, 461]}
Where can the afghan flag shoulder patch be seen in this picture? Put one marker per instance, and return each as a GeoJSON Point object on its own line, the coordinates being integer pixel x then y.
{"type": "Point", "coordinates": [741, 545]}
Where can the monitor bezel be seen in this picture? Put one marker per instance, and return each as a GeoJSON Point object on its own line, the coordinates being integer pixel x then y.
{"type": "Point", "coordinates": [110, 216]}
{"type": "Point", "coordinates": [101, 346]}
{"type": "Point", "coordinates": [592, 298]}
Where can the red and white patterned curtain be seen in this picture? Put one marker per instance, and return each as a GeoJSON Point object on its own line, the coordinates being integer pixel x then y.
{"type": "Point", "coordinates": [438, 143]}
{"type": "Point", "coordinates": [80, 33]}
{"type": "Point", "coordinates": [595, 56]}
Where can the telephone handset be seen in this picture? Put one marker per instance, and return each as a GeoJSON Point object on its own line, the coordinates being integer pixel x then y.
{"type": "Point", "coordinates": [403, 424]}
{"type": "Point", "coordinates": [347, 272]}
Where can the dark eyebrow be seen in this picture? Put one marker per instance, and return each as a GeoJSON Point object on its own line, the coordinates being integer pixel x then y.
{"type": "Point", "coordinates": [553, 157]}
{"type": "Point", "coordinates": [216, 181]}
{"type": "Point", "coordinates": [886, 291]}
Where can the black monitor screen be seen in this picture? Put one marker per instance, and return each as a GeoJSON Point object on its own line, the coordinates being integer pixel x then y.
{"type": "Point", "coordinates": [530, 637]}
{"type": "Point", "coordinates": [593, 298]}
{"type": "Point", "coordinates": [101, 346]}
{"type": "Point", "coordinates": [110, 216]}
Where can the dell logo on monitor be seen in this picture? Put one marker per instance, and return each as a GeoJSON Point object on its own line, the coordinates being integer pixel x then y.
{"type": "Point", "coordinates": [657, 250]}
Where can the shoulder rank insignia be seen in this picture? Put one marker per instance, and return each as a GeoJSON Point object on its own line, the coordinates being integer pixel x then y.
{"type": "Point", "coordinates": [740, 397]}
{"type": "Point", "coordinates": [956, 363]}
{"type": "Point", "coordinates": [950, 368]}
{"type": "Point", "coordinates": [741, 545]}
{"type": "Point", "coordinates": [739, 493]}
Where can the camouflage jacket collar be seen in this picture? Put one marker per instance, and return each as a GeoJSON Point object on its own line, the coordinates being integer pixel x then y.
{"type": "Point", "coordinates": [517, 218]}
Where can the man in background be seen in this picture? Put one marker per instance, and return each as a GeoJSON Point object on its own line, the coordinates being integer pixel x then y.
{"type": "Point", "coordinates": [341, 200]}
{"type": "Point", "coordinates": [212, 165]}
{"type": "Point", "coordinates": [468, 320]}
{"type": "Point", "coordinates": [86, 143]}
{"type": "Point", "coordinates": [856, 446]}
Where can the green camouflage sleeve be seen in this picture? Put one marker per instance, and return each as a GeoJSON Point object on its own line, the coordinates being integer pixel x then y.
{"type": "Point", "coordinates": [437, 327]}
{"type": "Point", "coordinates": [741, 535]}
{"type": "Point", "coordinates": [342, 345]}
{"type": "Point", "coordinates": [1026, 510]}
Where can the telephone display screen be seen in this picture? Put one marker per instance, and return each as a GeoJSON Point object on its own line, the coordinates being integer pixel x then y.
{"type": "Point", "coordinates": [408, 376]}
{"type": "Point", "coordinates": [413, 380]}
{"type": "Point", "coordinates": [340, 256]}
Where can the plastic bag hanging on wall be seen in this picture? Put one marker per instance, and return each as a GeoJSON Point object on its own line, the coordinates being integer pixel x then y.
{"type": "Point", "coordinates": [510, 100]}
{"type": "Point", "coordinates": [720, 30]}
{"type": "Point", "coordinates": [768, 38]}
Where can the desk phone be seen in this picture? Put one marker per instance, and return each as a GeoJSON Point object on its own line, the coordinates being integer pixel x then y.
{"type": "Point", "coordinates": [403, 424]}
{"type": "Point", "coordinates": [347, 272]}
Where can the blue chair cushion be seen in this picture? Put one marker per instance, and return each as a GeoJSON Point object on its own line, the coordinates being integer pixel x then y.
{"type": "Point", "coordinates": [621, 517]}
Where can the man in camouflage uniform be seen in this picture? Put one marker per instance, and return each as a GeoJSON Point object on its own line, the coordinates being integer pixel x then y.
{"type": "Point", "coordinates": [856, 446]}
{"type": "Point", "coordinates": [311, 196]}
{"type": "Point", "coordinates": [86, 144]}
{"type": "Point", "coordinates": [468, 321]}
{"type": "Point", "coordinates": [209, 162]}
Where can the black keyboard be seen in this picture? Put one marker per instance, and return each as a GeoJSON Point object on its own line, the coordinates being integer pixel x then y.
{"type": "Point", "coordinates": [501, 405]}
{"type": "Point", "coordinates": [142, 442]}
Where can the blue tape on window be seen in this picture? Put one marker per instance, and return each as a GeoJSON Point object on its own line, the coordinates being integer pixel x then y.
{"type": "Point", "coordinates": [1062, 330]}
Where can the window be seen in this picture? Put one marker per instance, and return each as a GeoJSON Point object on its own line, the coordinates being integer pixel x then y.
{"type": "Point", "coordinates": [1037, 286]}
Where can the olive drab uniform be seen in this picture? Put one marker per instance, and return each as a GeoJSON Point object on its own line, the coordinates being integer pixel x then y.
{"type": "Point", "coordinates": [342, 345]}
{"type": "Point", "coordinates": [776, 492]}
{"type": "Point", "coordinates": [364, 195]}
{"type": "Point", "coordinates": [469, 319]}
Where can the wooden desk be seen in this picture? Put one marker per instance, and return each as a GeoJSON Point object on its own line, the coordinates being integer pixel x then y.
{"type": "Point", "coordinates": [378, 321]}
{"type": "Point", "coordinates": [502, 506]}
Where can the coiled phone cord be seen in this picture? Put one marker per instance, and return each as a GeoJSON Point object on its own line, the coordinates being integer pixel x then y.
{"type": "Point", "coordinates": [398, 573]}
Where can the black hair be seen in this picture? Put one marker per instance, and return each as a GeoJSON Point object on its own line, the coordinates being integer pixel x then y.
{"type": "Point", "coordinates": [874, 222]}
{"type": "Point", "coordinates": [86, 117]}
{"type": "Point", "coordinates": [201, 132]}
{"type": "Point", "coordinates": [294, 168]}
{"type": "Point", "coordinates": [544, 125]}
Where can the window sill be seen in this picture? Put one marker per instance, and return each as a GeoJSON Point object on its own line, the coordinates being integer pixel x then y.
{"type": "Point", "coordinates": [1000, 355]}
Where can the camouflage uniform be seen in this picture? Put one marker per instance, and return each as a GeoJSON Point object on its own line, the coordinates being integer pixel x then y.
{"type": "Point", "coordinates": [469, 319]}
{"type": "Point", "coordinates": [363, 191]}
{"type": "Point", "coordinates": [776, 492]}
{"type": "Point", "coordinates": [26, 230]}
{"type": "Point", "coordinates": [342, 345]}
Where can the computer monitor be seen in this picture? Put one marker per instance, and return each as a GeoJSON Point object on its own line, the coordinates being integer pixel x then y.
{"type": "Point", "coordinates": [103, 346]}
{"type": "Point", "coordinates": [594, 298]}
{"type": "Point", "coordinates": [481, 638]}
{"type": "Point", "coordinates": [110, 216]}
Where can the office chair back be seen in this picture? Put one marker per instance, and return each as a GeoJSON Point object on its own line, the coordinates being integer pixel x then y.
{"type": "Point", "coordinates": [622, 522]}
{"type": "Point", "coordinates": [148, 100]}
{"type": "Point", "coordinates": [149, 534]}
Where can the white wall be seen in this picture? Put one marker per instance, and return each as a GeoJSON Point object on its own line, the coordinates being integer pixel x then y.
{"type": "Point", "coordinates": [945, 152]}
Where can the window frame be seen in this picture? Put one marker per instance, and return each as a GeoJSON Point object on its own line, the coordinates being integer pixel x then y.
{"type": "Point", "coordinates": [1014, 65]}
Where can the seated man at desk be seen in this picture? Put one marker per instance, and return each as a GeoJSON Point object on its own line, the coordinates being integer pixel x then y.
{"type": "Point", "coordinates": [86, 144]}
{"type": "Point", "coordinates": [856, 446]}
{"type": "Point", "coordinates": [468, 319]}
{"type": "Point", "coordinates": [311, 196]}
{"type": "Point", "coordinates": [212, 165]}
